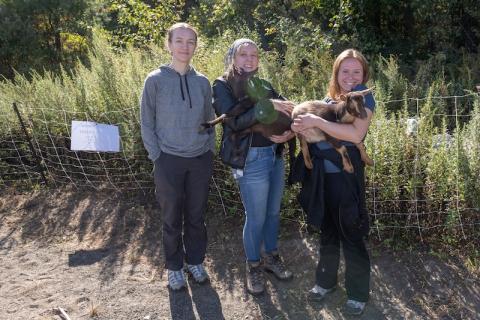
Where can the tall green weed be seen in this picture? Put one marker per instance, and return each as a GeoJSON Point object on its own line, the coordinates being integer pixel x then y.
{"type": "Point", "coordinates": [419, 184]}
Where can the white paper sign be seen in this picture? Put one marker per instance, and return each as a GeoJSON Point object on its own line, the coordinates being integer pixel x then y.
{"type": "Point", "coordinates": [91, 136]}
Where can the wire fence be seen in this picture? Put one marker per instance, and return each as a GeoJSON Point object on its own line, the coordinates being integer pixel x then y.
{"type": "Point", "coordinates": [39, 153]}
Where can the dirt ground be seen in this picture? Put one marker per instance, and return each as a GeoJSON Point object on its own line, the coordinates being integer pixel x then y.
{"type": "Point", "coordinates": [98, 255]}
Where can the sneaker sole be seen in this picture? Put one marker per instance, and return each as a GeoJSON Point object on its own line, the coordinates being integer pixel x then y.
{"type": "Point", "coordinates": [190, 276]}
{"type": "Point", "coordinates": [352, 312]}
{"type": "Point", "coordinates": [177, 289]}
{"type": "Point", "coordinates": [276, 276]}
{"type": "Point", "coordinates": [318, 298]}
{"type": "Point", "coordinates": [253, 293]}
{"type": "Point", "coordinates": [200, 282]}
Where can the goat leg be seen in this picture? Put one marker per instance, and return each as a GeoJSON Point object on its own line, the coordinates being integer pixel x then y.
{"type": "Point", "coordinates": [342, 150]}
{"type": "Point", "coordinates": [292, 146]}
{"type": "Point", "coordinates": [363, 153]}
{"type": "Point", "coordinates": [242, 106]}
{"type": "Point", "coordinates": [211, 123]}
{"type": "Point", "coordinates": [347, 163]}
{"type": "Point", "coordinates": [305, 152]}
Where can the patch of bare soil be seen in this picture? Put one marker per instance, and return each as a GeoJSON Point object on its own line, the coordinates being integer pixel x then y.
{"type": "Point", "coordinates": [99, 255]}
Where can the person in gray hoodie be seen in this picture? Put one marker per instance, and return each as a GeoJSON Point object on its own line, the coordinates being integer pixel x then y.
{"type": "Point", "coordinates": [176, 99]}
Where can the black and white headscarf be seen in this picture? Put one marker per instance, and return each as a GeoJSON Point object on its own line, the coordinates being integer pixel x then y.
{"type": "Point", "coordinates": [233, 49]}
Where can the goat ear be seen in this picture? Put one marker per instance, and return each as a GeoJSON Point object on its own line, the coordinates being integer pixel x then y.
{"type": "Point", "coordinates": [343, 97]}
{"type": "Point", "coordinates": [366, 91]}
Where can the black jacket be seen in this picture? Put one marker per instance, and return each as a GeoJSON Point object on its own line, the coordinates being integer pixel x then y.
{"type": "Point", "coordinates": [353, 216]}
{"type": "Point", "coordinates": [233, 152]}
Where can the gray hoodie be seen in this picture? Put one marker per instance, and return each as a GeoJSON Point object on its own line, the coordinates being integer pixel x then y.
{"type": "Point", "coordinates": [172, 108]}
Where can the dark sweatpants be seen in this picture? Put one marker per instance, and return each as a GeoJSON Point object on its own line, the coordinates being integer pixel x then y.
{"type": "Point", "coordinates": [181, 188]}
{"type": "Point", "coordinates": [357, 261]}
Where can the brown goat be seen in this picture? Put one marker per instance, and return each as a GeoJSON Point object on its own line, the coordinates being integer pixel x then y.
{"type": "Point", "coordinates": [350, 107]}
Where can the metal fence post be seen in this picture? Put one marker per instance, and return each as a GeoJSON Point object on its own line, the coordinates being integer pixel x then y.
{"type": "Point", "coordinates": [30, 145]}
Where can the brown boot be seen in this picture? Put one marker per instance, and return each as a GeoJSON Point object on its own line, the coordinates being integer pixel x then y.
{"type": "Point", "coordinates": [273, 263]}
{"type": "Point", "coordinates": [255, 278]}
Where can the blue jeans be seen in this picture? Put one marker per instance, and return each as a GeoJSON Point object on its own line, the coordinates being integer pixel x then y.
{"type": "Point", "coordinates": [261, 189]}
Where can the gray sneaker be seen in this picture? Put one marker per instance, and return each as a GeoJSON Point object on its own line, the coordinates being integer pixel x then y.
{"type": "Point", "coordinates": [273, 263]}
{"type": "Point", "coordinates": [176, 279]}
{"type": "Point", "coordinates": [198, 272]}
{"type": "Point", "coordinates": [255, 279]}
{"type": "Point", "coordinates": [354, 307]}
{"type": "Point", "coordinates": [318, 293]}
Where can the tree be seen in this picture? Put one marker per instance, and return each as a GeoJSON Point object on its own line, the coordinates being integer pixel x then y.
{"type": "Point", "coordinates": [40, 34]}
{"type": "Point", "coordinates": [140, 22]}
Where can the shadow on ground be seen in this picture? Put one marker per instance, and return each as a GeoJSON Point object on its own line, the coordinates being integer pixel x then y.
{"type": "Point", "coordinates": [116, 231]}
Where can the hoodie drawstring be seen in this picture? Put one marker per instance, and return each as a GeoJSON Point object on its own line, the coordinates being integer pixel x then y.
{"type": "Point", "coordinates": [181, 86]}
{"type": "Point", "coordinates": [188, 90]}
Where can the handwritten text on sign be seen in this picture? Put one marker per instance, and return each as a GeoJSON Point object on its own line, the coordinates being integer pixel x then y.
{"type": "Point", "coordinates": [91, 136]}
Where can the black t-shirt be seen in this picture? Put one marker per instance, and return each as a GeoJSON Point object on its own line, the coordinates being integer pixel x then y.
{"type": "Point", "coordinates": [260, 141]}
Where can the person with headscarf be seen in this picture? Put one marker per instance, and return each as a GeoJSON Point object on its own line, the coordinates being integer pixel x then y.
{"type": "Point", "coordinates": [257, 166]}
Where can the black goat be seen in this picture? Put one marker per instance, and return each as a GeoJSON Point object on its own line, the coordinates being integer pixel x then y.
{"type": "Point", "coordinates": [253, 93]}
